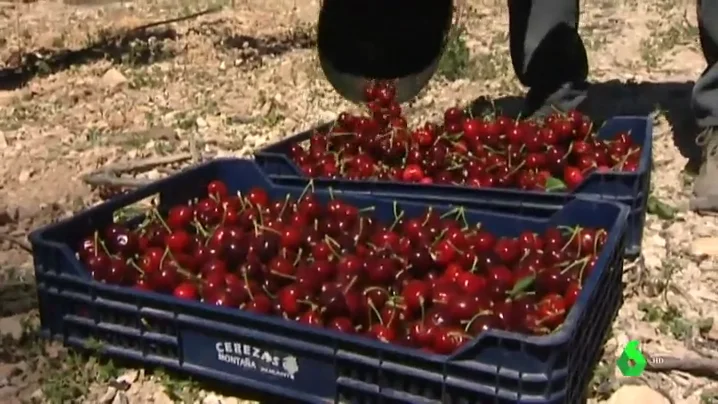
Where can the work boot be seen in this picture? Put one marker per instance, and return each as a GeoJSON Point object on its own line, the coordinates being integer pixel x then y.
{"type": "Point", "coordinates": [705, 188]}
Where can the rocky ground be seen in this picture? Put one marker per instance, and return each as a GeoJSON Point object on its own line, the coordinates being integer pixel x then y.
{"type": "Point", "coordinates": [81, 88]}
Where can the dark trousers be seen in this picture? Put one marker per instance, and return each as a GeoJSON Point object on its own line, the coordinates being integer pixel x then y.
{"type": "Point", "coordinates": [549, 57]}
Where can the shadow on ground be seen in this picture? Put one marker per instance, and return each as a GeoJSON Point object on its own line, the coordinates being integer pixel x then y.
{"type": "Point", "coordinates": [137, 48]}
{"type": "Point", "coordinates": [143, 47]}
{"type": "Point", "coordinates": [612, 98]}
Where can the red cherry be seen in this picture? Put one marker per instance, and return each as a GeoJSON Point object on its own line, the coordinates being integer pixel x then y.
{"type": "Point", "coordinates": [412, 173]}
{"type": "Point", "coordinates": [551, 310]}
{"type": "Point", "coordinates": [382, 333]}
{"type": "Point", "coordinates": [187, 291]}
{"type": "Point", "coordinates": [447, 340]}
{"type": "Point", "coordinates": [179, 241]}
{"type": "Point", "coordinates": [217, 189]}
{"type": "Point", "coordinates": [258, 197]}
{"type": "Point", "coordinates": [572, 177]}
{"type": "Point", "coordinates": [571, 295]}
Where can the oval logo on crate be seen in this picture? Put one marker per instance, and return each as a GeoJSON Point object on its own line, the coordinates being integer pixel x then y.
{"type": "Point", "coordinates": [248, 356]}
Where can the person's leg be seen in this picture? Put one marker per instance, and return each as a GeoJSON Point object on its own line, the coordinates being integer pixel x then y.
{"type": "Point", "coordinates": [547, 53]}
{"type": "Point", "coordinates": [705, 107]}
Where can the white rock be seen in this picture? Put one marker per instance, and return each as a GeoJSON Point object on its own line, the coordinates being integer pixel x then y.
{"type": "Point", "coordinates": [637, 395]}
{"type": "Point", "coordinates": [128, 377]}
{"type": "Point", "coordinates": [24, 175]}
{"type": "Point", "coordinates": [113, 78]}
{"type": "Point", "coordinates": [37, 395]}
{"type": "Point", "coordinates": [704, 246]}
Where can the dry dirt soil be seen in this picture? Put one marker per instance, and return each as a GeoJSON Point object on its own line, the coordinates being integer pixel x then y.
{"type": "Point", "coordinates": [81, 89]}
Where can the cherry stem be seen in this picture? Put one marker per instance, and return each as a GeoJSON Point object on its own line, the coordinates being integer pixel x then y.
{"type": "Point", "coordinates": [474, 264]}
{"type": "Point", "coordinates": [104, 248]}
{"type": "Point", "coordinates": [331, 193]}
{"type": "Point", "coordinates": [281, 275]}
{"type": "Point", "coordinates": [198, 226]}
{"type": "Point", "coordinates": [462, 216]}
{"type": "Point", "coordinates": [332, 245]}
{"type": "Point", "coordinates": [350, 285]}
{"type": "Point", "coordinates": [310, 186]}
{"type": "Point", "coordinates": [299, 257]}
{"type": "Point", "coordinates": [284, 205]}
{"type": "Point", "coordinates": [269, 229]}
{"type": "Point", "coordinates": [397, 219]}
{"type": "Point", "coordinates": [569, 150]}
{"type": "Point", "coordinates": [428, 216]}
{"type": "Point", "coordinates": [367, 209]}
{"type": "Point", "coordinates": [159, 218]}
{"type": "Point", "coordinates": [245, 277]}
{"type": "Point", "coordinates": [164, 256]}
{"type": "Point", "coordinates": [225, 205]}
{"type": "Point", "coordinates": [453, 247]}
{"type": "Point", "coordinates": [451, 212]}
{"type": "Point", "coordinates": [137, 267]}
{"type": "Point", "coordinates": [360, 232]}
{"type": "Point", "coordinates": [583, 261]}
{"type": "Point", "coordinates": [439, 237]}
{"type": "Point", "coordinates": [477, 315]}
{"type": "Point", "coordinates": [492, 150]}
{"type": "Point", "coordinates": [574, 232]}
{"type": "Point", "coordinates": [623, 161]}
{"type": "Point", "coordinates": [516, 169]}
{"type": "Point", "coordinates": [373, 288]}
{"type": "Point", "coordinates": [241, 200]}
{"type": "Point", "coordinates": [376, 312]}
{"type": "Point", "coordinates": [527, 252]}
{"type": "Point", "coordinates": [590, 129]}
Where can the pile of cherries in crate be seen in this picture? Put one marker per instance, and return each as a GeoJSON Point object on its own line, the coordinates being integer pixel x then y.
{"type": "Point", "coordinates": [555, 153]}
{"type": "Point", "coordinates": [431, 282]}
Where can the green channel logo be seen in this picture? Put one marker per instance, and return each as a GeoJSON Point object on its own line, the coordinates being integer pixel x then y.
{"type": "Point", "coordinates": [632, 363]}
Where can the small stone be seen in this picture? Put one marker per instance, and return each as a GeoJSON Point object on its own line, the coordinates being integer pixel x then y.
{"type": "Point", "coordinates": [24, 176]}
{"type": "Point", "coordinates": [113, 78]}
{"type": "Point", "coordinates": [121, 398]}
{"type": "Point", "coordinates": [704, 246]}
{"type": "Point", "coordinates": [201, 122]}
{"type": "Point", "coordinates": [637, 395]}
{"type": "Point", "coordinates": [108, 396]}
{"type": "Point", "coordinates": [37, 395]}
{"type": "Point", "coordinates": [128, 377]}
{"type": "Point", "coordinates": [3, 140]}
{"type": "Point", "coordinates": [116, 120]}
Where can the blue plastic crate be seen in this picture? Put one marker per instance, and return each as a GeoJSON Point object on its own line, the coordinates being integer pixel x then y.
{"type": "Point", "coordinates": [287, 359]}
{"type": "Point", "coordinates": [631, 189]}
